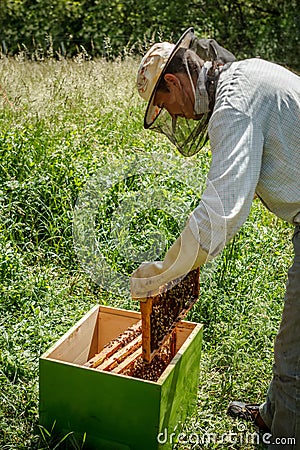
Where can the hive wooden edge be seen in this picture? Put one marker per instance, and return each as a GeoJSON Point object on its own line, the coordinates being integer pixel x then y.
{"type": "Point", "coordinates": [194, 326]}
{"type": "Point", "coordinates": [74, 328]}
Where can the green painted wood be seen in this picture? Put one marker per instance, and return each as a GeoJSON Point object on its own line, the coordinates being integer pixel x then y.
{"type": "Point", "coordinates": [118, 412]}
{"type": "Point", "coordinates": [114, 408]}
{"type": "Point", "coordinates": [179, 390]}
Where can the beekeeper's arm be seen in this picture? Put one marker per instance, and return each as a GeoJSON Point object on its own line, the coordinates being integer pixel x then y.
{"type": "Point", "coordinates": [184, 255]}
{"type": "Point", "coordinates": [224, 207]}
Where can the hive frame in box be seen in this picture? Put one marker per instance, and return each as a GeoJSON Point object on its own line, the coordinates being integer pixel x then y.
{"type": "Point", "coordinates": [152, 341]}
{"type": "Point", "coordinates": [115, 411]}
{"type": "Point", "coordinates": [183, 294]}
{"type": "Point", "coordinates": [118, 349]}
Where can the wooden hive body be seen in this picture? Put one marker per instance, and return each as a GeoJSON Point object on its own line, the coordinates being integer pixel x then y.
{"type": "Point", "coordinates": [116, 412]}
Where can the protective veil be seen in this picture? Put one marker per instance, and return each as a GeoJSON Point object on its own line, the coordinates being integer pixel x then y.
{"type": "Point", "coordinates": [202, 60]}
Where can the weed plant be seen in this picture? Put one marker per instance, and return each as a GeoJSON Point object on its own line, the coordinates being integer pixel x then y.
{"type": "Point", "coordinates": [60, 123]}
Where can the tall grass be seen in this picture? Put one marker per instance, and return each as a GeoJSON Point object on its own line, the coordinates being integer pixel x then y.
{"type": "Point", "coordinates": [60, 123]}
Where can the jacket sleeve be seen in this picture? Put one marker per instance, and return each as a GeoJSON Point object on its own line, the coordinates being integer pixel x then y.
{"type": "Point", "coordinates": [237, 144]}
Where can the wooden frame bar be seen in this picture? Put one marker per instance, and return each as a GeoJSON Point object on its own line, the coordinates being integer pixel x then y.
{"type": "Point", "coordinates": [121, 354]}
{"type": "Point", "coordinates": [125, 365]}
{"type": "Point", "coordinates": [117, 345]}
{"type": "Point", "coordinates": [186, 291]}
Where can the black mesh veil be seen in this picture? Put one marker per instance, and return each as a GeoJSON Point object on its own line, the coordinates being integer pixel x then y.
{"type": "Point", "coordinates": [188, 136]}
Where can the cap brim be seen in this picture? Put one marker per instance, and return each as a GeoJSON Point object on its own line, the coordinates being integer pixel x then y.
{"type": "Point", "coordinates": [153, 111]}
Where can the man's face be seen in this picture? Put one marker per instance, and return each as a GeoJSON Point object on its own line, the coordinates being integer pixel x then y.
{"type": "Point", "coordinates": [180, 99]}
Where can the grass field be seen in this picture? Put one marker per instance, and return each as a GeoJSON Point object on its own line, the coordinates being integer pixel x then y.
{"type": "Point", "coordinates": [63, 122]}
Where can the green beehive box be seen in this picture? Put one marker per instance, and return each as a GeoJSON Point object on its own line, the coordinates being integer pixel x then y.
{"type": "Point", "coordinates": [116, 412]}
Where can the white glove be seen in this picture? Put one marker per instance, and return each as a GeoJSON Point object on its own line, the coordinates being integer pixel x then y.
{"type": "Point", "coordinates": [184, 256]}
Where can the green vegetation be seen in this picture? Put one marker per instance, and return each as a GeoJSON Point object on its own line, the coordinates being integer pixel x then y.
{"type": "Point", "coordinates": [61, 123]}
{"type": "Point", "coordinates": [104, 28]}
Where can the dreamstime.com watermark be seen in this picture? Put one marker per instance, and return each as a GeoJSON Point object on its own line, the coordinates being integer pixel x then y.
{"type": "Point", "coordinates": [205, 439]}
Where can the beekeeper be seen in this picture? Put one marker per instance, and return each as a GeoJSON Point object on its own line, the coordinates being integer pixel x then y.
{"type": "Point", "coordinates": [250, 112]}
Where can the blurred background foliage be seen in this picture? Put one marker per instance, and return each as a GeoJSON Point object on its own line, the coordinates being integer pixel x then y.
{"type": "Point", "coordinates": [110, 28]}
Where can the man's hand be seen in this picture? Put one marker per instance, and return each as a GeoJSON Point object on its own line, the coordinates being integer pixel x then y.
{"type": "Point", "coordinates": [184, 255]}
